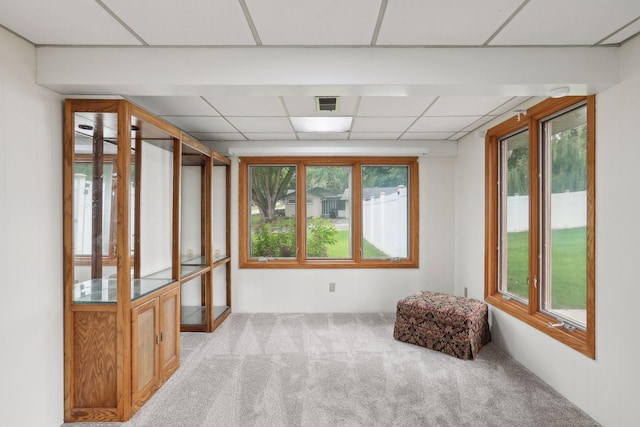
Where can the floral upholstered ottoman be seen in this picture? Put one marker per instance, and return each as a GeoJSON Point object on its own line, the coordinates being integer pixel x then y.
{"type": "Point", "coordinates": [454, 325]}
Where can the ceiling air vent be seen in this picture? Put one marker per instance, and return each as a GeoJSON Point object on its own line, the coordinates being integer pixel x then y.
{"type": "Point", "coordinates": [326, 103]}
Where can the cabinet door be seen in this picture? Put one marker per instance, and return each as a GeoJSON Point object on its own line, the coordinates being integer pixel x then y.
{"type": "Point", "coordinates": [169, 332]}
{"type": "Point", "coordinates": [145, 336]}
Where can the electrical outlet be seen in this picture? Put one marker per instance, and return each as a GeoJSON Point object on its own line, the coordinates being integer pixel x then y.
{"type": "Point", "coordinates": [332, 286]}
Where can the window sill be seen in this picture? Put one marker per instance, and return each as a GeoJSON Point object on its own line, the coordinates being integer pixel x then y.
{"type": "Point", "coordinates": [319, 264]}
{"type": "Point", "coordinates": [578, 340]}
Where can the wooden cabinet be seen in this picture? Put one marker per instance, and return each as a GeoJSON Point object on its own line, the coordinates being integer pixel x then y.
{"type": "Point", "coordinates": [134, 242]}
{"type": "Point", "coordinates": [154, 344]}
{"type": "Point", "coordinates": [124, 268]}
{"type": "Point", "coordinates": [204, 239]}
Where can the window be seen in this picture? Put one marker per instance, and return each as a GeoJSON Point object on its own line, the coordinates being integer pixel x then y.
{"type": "Point", "coordinates": [329, 212]}
{"type": "Point", "coordinates": [540, 231]}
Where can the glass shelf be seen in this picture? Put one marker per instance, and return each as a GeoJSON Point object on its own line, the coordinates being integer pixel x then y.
{"type": "Point", "coordinates": [219, 310]}
{"type": "Point", "coordinates": [104, 290]}
{"type": "Point", "coordinates": [191, 260]}
{"type": "Point", "coordinates": [193, 315]}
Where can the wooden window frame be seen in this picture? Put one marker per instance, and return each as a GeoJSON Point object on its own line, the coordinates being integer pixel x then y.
{"type": "Point", "coordinates": [356, 261]}
{"type": "Point", "coordinates": [582, 341]}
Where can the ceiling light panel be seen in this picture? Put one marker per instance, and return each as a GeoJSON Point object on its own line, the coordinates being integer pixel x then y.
{"type": "Point", "coordinates": [323, 136]}
{"type": "Point", "coordinates": [185, 22]}
{"type": "Point", "coordinates": [395, 106]}
{"type": "Point", "coordinates": [248, 105]}
{"type": "Point", "coordinates": [435, 22]}
{"type": "Point", "coordinates": [70, 22]}
{"type": "Point", "coordinates": [305, 22]}
{"type": "Point", "coordinates": [174, 105]}
{"type": "Point", "coordinates": [321, 124]}
{"type": "Point", "coordinates": [592, 21]}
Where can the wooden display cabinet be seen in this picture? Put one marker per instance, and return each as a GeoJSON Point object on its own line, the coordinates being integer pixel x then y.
{"type": "Point", "coordinates": [124, 271]}
{"type": "Point", "coordinates": [121, 283]}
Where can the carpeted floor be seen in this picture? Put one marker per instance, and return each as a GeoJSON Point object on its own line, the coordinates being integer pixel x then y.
{"type": "Point", "coordinates": [343, 370]}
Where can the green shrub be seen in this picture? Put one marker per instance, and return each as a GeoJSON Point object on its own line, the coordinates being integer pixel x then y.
{"type": "Point", "coordinates": [322, 233]}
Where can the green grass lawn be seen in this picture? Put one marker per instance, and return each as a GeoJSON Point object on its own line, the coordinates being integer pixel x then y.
{"type": "Point", "coordinates": [341, 248]}
{"type": "Point", "coordinates": [568, 267]}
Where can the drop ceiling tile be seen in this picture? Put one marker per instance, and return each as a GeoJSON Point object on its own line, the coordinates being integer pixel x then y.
{"type": "Point", "coordinates": [319, 136]}
{"type": "Point", "coordinates": [394, 106]}
{"type": "Point", "coordinates": [306, 22]}
{"type": "Point", "coordinates": [442, 124]}
{"type": "Point", "coordinates": [270, 136]}
{"type": "Point", "coordinates": [436, 22]}
{"type": "Point", "coordinates": [427, 135]}
{"type": "Point", "coordinates": [381, 124]}
{"type": "Point", "coordinates": [185, 22]}
{"type": "Point", "coordinates": [70, 22]}
{"type": "Point", "coordinates": [247, 105]}
{"type": "Point", "coordinates": [305, 106]}
{"type": "Point", "coordinates": [218, 136]}
{"type": "Point", "coordinates": [458, 136]}
{"type": "Point", "coordinates": [261, 124]}
{"type": "Point", "coordinates": [192, 124]}
{"type": "Point", "coordinates": [476, 124]}
{"type": "Point", "coordinates": [510, 105]}
{"type": "Point", "coordinates": [624, 33]}
{"type": "Point", "coordinates": [590, 21]}
{"type": "Point", "coordinates": [376, 135]}
{"type": "Point", "coordinates": [174, 105]}
{"type": "Point", "coordinates": [465, 105]}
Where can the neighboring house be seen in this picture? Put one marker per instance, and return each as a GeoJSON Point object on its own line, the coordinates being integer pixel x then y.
{"type": "Point", "coordinates": [320, 202]}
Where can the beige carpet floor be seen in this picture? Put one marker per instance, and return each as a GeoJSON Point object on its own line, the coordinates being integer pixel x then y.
{"type": "Point", "coordinates": [343, 370]}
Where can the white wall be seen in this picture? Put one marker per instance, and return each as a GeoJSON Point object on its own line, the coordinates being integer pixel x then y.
{"type": "Point", "coordinates": [357, 290]}
{"type": "Point", "coordinates": [31, 311]}
{"type": "Point", "coordinates": [605, 388]}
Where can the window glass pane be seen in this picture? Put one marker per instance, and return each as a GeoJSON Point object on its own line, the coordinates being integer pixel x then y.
{"type": "Point", "coordinates": [385, 212]}
{"type": "Point", "coordinates": [328, 207]}
{"type": "Point", "coordinates": [272, 214]}
{"type": "Point", "coordinates": [514, 215]}
{"type": "Point", "coordinates": [564, 290]}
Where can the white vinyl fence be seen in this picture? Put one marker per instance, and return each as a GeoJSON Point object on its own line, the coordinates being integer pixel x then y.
{"type": "Point", "coordinates": [568, 210]}
{"type": "Point", "coordinates": [385, 222]}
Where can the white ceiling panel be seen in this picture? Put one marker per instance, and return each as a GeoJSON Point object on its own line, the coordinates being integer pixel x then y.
{"type": "Point", "coordinates": [395, 106]}
{"type": "Point", "coordinates": [323, 135]}
{"type": "Point", "coordinates": [465, 105]}
{"type": "Point", "coordinates": [174, 105]}
{"type": "Point", "coordinates": [69, 22]}
{"type": "Point", "coordinates": [309, 22]}
{"type": "Point", "coordinates": [476, 124]}
{"type": "Point", "coordinates": [377, 135]}
{"type": "Point", "coordinates": [248, 105]}
{"type": "Point", "coordinates": [458, 136]}
{"type": "Point", "coordinates": [590, 21]}
{"type": "Point", "coordinates": [218, 136]}
{"type": "Point", "coordinates": [381, 124]}
{"type": "Point", "coordinates": [261, 124]}
{"type": "Point", "coordinates": [200, 123]}
{"type": "Point", "coordinates": [270, 136]}
{"type": "Point", "coordinates": [625, 33]}
{"type": "Point", "coordinates": [185, 22]}
{"type": "Point", "coordinates": [510, 105]}
{"type": "Point", "coordinates": [437, 22]}
{"type": "Point", "coordinates": [305, 106]}
{"type": "Point", "coordinates": [427, 135]}
{"type": "Point", "coordinates": [442, 124]}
